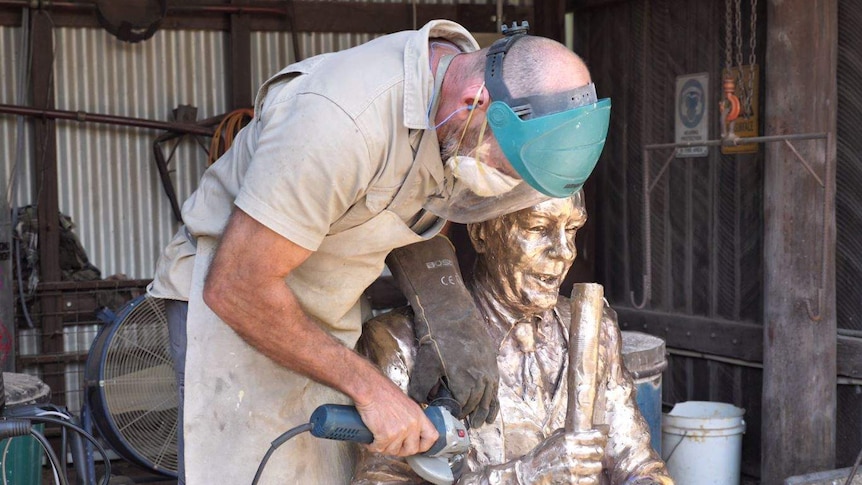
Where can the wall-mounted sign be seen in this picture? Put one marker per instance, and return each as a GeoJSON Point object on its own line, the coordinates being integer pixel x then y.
{"type": "Point", "coordinates": [692, 114]}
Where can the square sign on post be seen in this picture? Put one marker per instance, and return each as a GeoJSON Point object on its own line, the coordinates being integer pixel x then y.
{"type": "Point", "coordinates": [692, 113]}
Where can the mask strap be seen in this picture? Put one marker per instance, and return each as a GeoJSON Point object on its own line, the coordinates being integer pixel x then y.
{"type": "Point", "coordinates": [442, 67]}
{"type": "Point", "coordinates": [472, 110]}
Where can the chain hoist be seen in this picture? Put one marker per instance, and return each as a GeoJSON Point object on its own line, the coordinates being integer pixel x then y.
{"type": "Point", "coordinates": [730, 104]}
{"type": "Point", "coordinates": [737, 87]}
{"type": "Point", "coordinates": [752, 58]}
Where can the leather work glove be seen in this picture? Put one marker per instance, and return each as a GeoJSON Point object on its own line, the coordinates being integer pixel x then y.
{"type": "Point", "coordinates": [454, 344]}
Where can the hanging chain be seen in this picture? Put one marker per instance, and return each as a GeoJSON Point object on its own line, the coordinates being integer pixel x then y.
{"type": "Point", "coordinates": [752, 58]}
{"type": "Point", "coordinates": [728, 39]}
{"type": "Point", "coordinates": [739, 77]}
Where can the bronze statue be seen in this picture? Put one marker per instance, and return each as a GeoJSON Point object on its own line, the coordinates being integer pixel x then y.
{"type": "Point", "coordinates": [523, 258]}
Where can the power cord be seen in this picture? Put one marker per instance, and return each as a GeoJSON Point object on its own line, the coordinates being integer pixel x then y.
{"type": "Point", "coordinates": [59, 473]}
{"type": "Point", "coordinates": [21, 424]}
{"type": "Point", "coordinates": [302, 428]}
{"type": "Point", "coordinates": [11, 428]}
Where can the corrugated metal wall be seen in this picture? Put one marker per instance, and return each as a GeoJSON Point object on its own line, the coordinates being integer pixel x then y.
{"type": "Point", "coordinates": [109, 183]}
{"type": "Point", "coordinates": [10, 159]}
{"type": "Point", "coordinates": [108, 180]}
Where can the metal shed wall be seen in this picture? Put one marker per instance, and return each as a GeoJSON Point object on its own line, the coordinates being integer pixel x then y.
{"type": "Point", "coordinates": [108, 180]}
{"type": "Point", "coordinates": [109, 183]}
{"type": "Point", "coordinates": [10, 159]}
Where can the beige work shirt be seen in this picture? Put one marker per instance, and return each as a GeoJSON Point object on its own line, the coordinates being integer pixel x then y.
{"type": "Point", "coordinates": [333, 140]}
{"type": "Point", "coordinates": [339, 161]}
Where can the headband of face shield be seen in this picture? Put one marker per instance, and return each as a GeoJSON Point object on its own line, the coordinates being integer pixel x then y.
{"type": "Point", "coordinates": [473, 191]}
{"type": "Point", "coordinates": [553, 141]}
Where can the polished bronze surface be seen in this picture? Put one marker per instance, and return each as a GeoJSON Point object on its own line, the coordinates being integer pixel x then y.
{"type": "Point", "coordinates": [523, 258]}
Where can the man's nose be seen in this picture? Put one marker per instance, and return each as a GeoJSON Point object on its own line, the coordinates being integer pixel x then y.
{"type": "Point", "coordinates": [562, 247]}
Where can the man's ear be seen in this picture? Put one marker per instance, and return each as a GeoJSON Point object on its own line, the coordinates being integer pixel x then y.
{"type": "Point", "coordinates": [477, 236]}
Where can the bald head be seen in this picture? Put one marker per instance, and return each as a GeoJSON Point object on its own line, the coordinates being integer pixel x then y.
{"type": "Point", "coordinates": [536, 65]}
{"type": "Point", "coordinates": [533, 65]}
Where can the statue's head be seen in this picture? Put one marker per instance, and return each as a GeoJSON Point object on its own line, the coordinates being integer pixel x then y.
{"type": "Point", "coordinates": [524, 256]}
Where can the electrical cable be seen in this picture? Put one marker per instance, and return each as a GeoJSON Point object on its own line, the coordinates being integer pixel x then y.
{"type": "Point", "coordinates": [86, 435]}
{"type": "Point", "coordinates": [3, 459]}
{"type": "Point", "coordinates": [18, 261]}
{"type": "Point", "coordinates": [302, 428]}
{"type": "Point", "coordinates": [65, 416]}
{"type": "Point", "coordinates": [52, 457]}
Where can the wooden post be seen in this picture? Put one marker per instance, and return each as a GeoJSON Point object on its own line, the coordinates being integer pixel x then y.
{"type": "Point", "coordinates": [240, 62]}
{"type": "Point", "coordinates": [799, 353]}
{"type": "Point", "coordinates": [550, 17]}
{"type": "Point", "coordinates": [48, 214]}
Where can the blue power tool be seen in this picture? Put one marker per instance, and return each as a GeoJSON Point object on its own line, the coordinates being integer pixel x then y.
{"type": "Point", "coordinates": [340, 422]}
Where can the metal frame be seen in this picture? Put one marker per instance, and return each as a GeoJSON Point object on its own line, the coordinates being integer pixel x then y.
{"type": "Point", "coordinates": [648, 187]}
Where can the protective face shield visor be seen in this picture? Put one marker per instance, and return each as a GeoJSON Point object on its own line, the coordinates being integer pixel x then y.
{"type": "Point", "coordinates": [459, 204]}
{"type": "Point", "coordinates": [553, 141]}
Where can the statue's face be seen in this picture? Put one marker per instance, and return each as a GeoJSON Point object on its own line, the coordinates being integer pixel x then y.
{"type": "Point", "coordinates": [527, 254]}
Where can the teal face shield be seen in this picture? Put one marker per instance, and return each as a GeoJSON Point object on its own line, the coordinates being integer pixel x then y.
{"type": "Point", "coordinates": [553, 141]}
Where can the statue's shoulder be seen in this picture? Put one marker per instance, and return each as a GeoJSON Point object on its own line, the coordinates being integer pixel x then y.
{"type": "Point", "coordinates": [389, 341]}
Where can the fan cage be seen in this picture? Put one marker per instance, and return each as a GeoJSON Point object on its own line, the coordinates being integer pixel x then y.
{"type": "Point", "coordinates": [134, 402]}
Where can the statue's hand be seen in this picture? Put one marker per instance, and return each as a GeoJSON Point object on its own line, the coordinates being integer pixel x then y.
{"type": "Point", "coordinates": [564, 458]}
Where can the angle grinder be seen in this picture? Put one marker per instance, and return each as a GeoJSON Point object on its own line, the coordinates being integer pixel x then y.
{"type": "Point", "coordinates": [343, 423]}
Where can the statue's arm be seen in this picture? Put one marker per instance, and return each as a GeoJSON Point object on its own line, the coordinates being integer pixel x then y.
{"type": "Point", "coordinates": [629, 457]}
{"type": "Point", "coordinates": [389, 343]}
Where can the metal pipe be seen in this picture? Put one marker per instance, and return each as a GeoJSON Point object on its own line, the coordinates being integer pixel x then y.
{"type": "Point", "coordinates": [227, 9]}
{"type": "Point", "coordinates": [84, 117]}
{"type": "Point", "coordinates": [42, 4]}
{"type": "Point", "coordinates": [738, 141]}
{"type": "Point", "coordinates": [218, 9]}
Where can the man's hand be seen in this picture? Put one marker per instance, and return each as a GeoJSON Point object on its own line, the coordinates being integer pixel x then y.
{"type": "Point", "coordinates": [565, 458]}
{"type": "Point", "coordinates": [399, 425]}
{"type": "Point", "coordinates": [453, 341]}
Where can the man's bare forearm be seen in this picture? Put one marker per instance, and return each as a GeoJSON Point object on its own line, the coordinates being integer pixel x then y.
{"type": "Point", "coordinates": [270, 319]}
{"type": "Point", "coordinates": [246, 287]}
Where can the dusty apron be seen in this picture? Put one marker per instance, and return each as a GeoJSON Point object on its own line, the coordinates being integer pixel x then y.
{"type": "Point", "coordinates": [238, 401]}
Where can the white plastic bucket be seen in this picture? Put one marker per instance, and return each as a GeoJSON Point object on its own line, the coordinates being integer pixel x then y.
{"type": "Point", "coordinates": [702, 443]}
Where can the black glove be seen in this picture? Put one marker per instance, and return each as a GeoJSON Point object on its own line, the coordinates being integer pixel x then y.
{"type": "Point", "coordinates": [454, 344]}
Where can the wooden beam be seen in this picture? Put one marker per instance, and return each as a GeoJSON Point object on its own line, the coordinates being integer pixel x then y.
{"type": "Point", "coordinates": [725, 338]}
{"type": "Point", "coordinates": [715, 336]}
{"type": "Point", "coordinates": [48, 213]}
{"type": "Point", "coordinates": [550, 18]}
{"type": "Point", "coordinates": [799, 386]}
{"type": "Point", "coordinates": [311, 16]}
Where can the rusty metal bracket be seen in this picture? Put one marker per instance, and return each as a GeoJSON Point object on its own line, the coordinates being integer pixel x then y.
{"type": "Point", "coordinates": [815, 315]}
